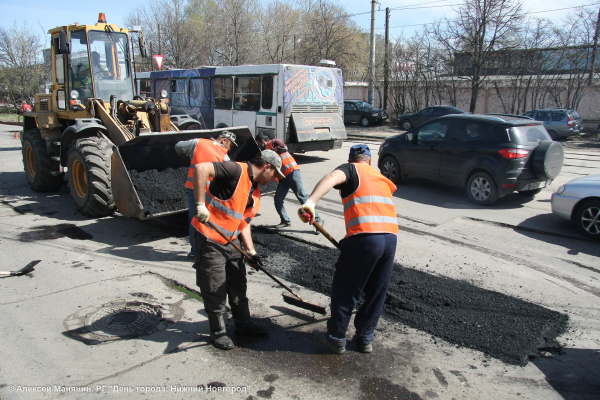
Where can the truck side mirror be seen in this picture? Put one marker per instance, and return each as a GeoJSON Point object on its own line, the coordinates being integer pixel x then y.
{"type": "Point", "coordinates": [64, 46]}
{"type": "Point", "coordinates": [143, 51]}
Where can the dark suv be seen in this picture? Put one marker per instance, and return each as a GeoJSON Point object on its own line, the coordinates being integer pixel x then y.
{"type": "Point", "coordinates": [490, 155]}
{"type": "Point", "coordinates": [560, 123]}
{"type": "Point", "coordinates": [408, 121]}
{"type": "Point", "coordinates": [363, 112]}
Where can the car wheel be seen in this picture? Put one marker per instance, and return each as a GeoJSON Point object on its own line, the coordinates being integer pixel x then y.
{"type": "Point", "coordinates": [548, 159]}
{"type": "Point", "coordinates": [406, 125]}
{"type": "Point", "coordinates": [364, 121]}
{"type": "Point", "coordinates": [482, 189]}
{"type": "Point", "coordinates": [588, 219]}
{"type": "Point", "coordinates": [391, 169]}
{"type": "Point", "coordinates": [529, 193]}
{"type": "Point", "coordinates": [553, 135]}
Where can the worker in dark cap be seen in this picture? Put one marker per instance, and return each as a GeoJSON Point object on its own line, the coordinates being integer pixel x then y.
{"type": "Point", "coordinates": [202, 150]}
{"type": "Point", "coordinates": [293, 178]}
{"type": "Point", "coordinates": [368, 249]}
{"type": "Point", "coordinates": [230, 202]}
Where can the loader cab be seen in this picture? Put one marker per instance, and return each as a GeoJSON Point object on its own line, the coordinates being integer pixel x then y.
{"type": "Point", "coordinates": [93, 63]}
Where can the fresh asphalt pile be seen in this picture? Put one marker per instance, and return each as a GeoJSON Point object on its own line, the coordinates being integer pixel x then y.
{"type": "Point", "coordinates": [500, 326]}
{"type": "Point", "coordinates": [164, 191]}
{"type": "Point", "coordinates": [161, 191]}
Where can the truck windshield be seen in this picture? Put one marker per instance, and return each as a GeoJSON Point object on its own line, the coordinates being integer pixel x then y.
{"type": "Point", "coordinates": [109, 57]}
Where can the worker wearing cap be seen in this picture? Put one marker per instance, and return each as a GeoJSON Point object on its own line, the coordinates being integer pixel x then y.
{"type": "Point", "coordinates": [202, 150]}
{"type": "Point", "coordinates": [368, 249]}
{"type": "Point", "coordinates": [293, 179]}
{"type": "Point", "coordinates": [230, 202]}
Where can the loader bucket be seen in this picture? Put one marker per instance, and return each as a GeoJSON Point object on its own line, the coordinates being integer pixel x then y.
{"type": "Point", "coordinates": [148, 176]}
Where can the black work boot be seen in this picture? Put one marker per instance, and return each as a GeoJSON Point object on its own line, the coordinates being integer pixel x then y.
{"type": "Point", "coordinates": [218, 333]}
{"type": "Point", "coordinates": [244, 324]}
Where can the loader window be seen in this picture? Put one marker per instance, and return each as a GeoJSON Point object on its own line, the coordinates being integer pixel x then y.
{"type": "Point", "coordinates": [247, 94]}
{"type": "Point", "coordinates": [223, 92]}
{"type": "Point", "coordinates": [79, 70]}
{"type": "Point", "coordinates": [110, 65]}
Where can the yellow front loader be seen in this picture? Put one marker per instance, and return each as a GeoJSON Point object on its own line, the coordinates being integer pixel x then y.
{"type": "Point", "coordinates": [117, 149]}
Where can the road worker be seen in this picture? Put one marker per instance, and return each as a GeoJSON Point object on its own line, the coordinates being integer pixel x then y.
{"type": "Point", "coordinates": [368, 249]}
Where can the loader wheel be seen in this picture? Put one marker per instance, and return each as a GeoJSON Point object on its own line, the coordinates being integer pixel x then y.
{"type": "Point", "coordinates": [89, 176]}
{"type": "Point", "coordinates": [38, 164]}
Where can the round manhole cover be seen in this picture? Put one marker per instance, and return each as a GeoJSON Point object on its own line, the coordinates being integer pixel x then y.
{"type": "Point", "coordinates": [127, 319]}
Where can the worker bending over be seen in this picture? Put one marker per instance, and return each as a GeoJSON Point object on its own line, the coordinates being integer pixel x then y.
{"type": "Point", "coordinates": [368, 249]}
{"type": "Point", "coordinates": [202, 150]}
{"type": "Point", "coordinates": [293, 179]}
{"type": "Point", "coordinates": [231, 201]}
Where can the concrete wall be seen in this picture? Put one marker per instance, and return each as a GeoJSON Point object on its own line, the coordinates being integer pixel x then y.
{"type": "Point", "coordinates": [488, 102]}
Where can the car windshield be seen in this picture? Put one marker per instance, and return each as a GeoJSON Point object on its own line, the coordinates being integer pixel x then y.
{"type": "Point", "coordinates": [363, 106]}
{"type": "Point", "coordinates": [528, 135]}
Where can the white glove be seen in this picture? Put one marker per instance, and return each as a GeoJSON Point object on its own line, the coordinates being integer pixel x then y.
{"type": "Point", "coordinates": [202, 213]}
{"type": "Point", "coordinates": [307, 208]}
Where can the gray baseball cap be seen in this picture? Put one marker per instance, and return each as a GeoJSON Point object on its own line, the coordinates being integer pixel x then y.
{"type": "Point", "coordinates": [229, 136]}
{"type": "Point", "coordinates": [273, 158]}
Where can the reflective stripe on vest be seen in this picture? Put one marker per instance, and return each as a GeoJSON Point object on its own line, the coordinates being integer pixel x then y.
{"type": "Point", "coordinates": [370, 208]}
{"type": "Point", "coordinates": [288, 164]}
{"type": "Point", "coordinates": [207, 150]}
{"type": "Point", "coordinates": [228, 214]}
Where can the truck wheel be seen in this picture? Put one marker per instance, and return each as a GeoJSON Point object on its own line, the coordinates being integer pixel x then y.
{"type": "Point", "coordinates": [89, 176]}
{"type": "Point", "coordinates": [38, 164]}
{"type": "Point", "coordinates": [481, 189]}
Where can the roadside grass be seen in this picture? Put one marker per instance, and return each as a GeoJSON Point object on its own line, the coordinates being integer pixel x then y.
{"type": "Point", "coordinates": [10, 117]}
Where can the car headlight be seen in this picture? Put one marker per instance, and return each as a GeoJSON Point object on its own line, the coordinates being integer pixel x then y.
{"type": "Point", "coordinates": [560, 189]}
{"type": "Point", "coordinates": [164, 94]}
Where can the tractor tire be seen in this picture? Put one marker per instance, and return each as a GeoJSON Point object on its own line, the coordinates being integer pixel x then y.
{"type": "Point", "coordinates": [89, 175]}
{"type": "Point", "coordinates": [37, 163]}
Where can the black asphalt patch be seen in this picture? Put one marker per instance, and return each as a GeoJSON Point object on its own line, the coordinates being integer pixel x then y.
{"type": "Point", "coordinates": [459, 312]}
{"type": "Point", "coordinates": [48, 232]}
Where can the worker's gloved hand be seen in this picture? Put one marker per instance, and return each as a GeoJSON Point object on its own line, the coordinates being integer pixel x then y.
{"type": "Point", "coordinates": [202, 213]}
{"type": "Point", "coordinates": [307, 212]}
{"type": "Point", "coordinates": [254, 259]}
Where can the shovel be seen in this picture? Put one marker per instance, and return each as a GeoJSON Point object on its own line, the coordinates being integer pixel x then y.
{"type": "Point", "coordinates": [296, 301]}
{"type": "Point", "coordinates": [395, 300]}
{"type": "Point", "coordinates": [22, 271]}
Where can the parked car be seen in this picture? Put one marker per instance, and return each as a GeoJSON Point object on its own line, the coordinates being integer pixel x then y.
{"type": "Point", "coordinates": [579, 201]}
{"type": "Point", "coordinates": [560, 123]}
{"type": "Point", "coordinates": [490, 155]}
{"type": "Point", "coordinates": [363, 112]}
{"type": "Point", "coordinates": [408, 121]}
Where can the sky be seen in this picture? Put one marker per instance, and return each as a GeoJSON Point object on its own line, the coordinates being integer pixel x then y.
{"type": "Point", "coordinates": [42, 15]}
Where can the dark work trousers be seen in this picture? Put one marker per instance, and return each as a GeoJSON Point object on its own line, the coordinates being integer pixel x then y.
{"type": "Point", "coordinates": [221, 273]}
{"type": "Point", "coordinates": [365, 265]}
{"type": "Point", "coordinates": [191, 215]}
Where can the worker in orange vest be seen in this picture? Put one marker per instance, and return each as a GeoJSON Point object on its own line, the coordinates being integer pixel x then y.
{"type": "Point", "coordinates": [202, 150]}
{"type": "Point", "coordinates": [293, 178]}
{"type": "Point", "coordinates": [368, 249]}
{"type": "Point", "coordinates": [230, 202]}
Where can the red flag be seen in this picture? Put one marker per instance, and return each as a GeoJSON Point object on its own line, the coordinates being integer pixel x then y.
{"type": "Point", "coordinates": [159, 60]}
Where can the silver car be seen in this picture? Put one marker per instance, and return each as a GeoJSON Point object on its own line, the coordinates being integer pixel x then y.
{"type": "Point", "coordinates": [560, 123]}
{"type": "Point", "coordinates": [579, 201]}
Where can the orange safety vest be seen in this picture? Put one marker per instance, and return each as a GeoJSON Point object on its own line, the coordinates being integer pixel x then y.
{"type": "Point", "coordinates": [207, 150]}
{"type": "Point", "coordinates": [288, 164]}
{"type": "Point", "coordinates": [231, 215]}
{"type": "Point", "coordinates": [370, 209]}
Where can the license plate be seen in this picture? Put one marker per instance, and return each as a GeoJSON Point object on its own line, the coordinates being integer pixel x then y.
{"type": "Point", "coordinates": [321, 130]}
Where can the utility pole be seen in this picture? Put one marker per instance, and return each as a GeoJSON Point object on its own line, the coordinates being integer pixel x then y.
{"type": "Point", "coordinates": [372, 59]}
{"type": "Point", "coordinates": [159, 44]}
{"type": "Point", "coordinates": [386, 60]}
{"type": "Point", "coordinates": [594, 49]}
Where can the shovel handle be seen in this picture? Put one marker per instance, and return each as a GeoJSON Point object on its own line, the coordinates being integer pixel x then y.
{"type": "Point", "coordinates": [238, 248]}
{"type": "Point", "coordinates": [327, 235]}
